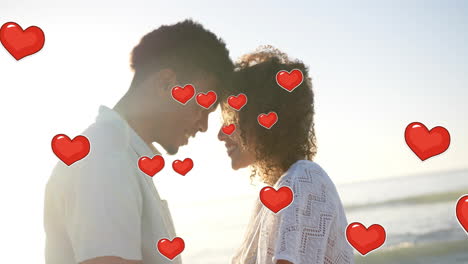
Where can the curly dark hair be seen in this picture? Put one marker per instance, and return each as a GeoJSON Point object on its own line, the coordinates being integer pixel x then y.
{"type": "Point", "coordinates": [292, 138]}
{"type": "Point", "coordinates": [187, 48]}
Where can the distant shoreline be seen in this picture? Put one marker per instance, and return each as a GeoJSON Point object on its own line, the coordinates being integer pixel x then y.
{"type": "Point", "coordinates": [416, 199]}
{"type": "Point", "coordinates": [410, 175]}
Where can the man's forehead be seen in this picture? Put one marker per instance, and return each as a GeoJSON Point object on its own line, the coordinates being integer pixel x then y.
{"type": "Point", "coordinates": [207, 80]}
{"type": "Point", "coordinates": [212, 108]}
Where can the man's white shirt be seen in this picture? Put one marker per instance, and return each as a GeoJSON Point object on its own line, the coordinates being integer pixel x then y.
{"type": "Point", "coordinates": [103, 205]}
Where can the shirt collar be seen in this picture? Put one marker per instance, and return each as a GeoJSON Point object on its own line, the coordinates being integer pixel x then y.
{"type": "Point", "coordinates": [135, 141]}
{"type": "Point", "coordinates": [132, 139]}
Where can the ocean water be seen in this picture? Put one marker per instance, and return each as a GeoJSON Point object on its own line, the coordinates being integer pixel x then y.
{"type": "Point", "coordinates": [417, 212]}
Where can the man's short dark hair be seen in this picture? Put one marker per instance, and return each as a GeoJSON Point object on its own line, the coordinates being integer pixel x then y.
{"type": "Point", "coordinates": [186, 47]}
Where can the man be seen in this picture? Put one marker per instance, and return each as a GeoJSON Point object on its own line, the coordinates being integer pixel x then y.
{"type": "Point", "coordinates": [103, 209]}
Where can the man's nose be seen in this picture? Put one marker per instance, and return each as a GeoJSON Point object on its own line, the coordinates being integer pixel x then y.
{"type": "Point", "coordinates": [203, 124]}
{"type": "Point", "coordinates": [221, 135]}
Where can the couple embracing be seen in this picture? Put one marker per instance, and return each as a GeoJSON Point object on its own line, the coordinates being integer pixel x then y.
{"type": "Point", "coordinates": [105, 210]}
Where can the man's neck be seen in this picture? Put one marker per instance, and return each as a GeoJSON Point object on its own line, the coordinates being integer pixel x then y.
{"type": "Point", "coordinates": [124, 109]}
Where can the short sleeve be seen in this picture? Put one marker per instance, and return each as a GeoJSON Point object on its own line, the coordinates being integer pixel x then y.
{"type": "Point", "coordinates": [103, 210]}
{"type": "Point", "coordinates": [302, 228]}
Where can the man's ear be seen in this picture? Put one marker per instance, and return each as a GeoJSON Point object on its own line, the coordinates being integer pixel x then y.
{"type": "Point", "coordinates": [164, 80]}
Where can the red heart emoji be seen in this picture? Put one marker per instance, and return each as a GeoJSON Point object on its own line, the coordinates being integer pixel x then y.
{"type": "Point", "coordinates": [206, 100]}
{"type": "Point", "coordinates": [170, 249]}
{"type": "Point", "coordinates": [151, 166]}
{"type": "Point", "coordinates": [237, 102]}
{"type": "Point", "coordinates": [365, 240]}
{"type": "Point", "coordinates": [462, 212]}
{"type": "Point", "coordinates": [229, 129]}
{"type": "Point", "coordinates": [70, 151]}
{"type": "Point", "coordinates": [183, 95]}
{"type": "Point", "coordinates": [276, 200]}
{"type": "Point", "coordinates": [183, 167]}
{"type": "Point", "coordinates": [424, 143]}
{"type": "Point", "coordinates": [21, 43]}
{"type": "Point", "coordinates": [267, 120]}
{"type": "Point", "coordinates": [289, 81]}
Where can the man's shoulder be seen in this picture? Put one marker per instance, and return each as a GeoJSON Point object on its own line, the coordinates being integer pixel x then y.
{"type": "Point", "coordinates": [106, 136]}
{"type": "Point", "coordinates": [108, 153]}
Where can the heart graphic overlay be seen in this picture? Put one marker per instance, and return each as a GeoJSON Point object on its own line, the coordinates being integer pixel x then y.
{"type": "Point", "coordinates": [151, 166]}
{"type": "Point", "coordinates": [182, 167]}
{"type": "Point", "coordinates": [462, 212]}
{"type": "Point", "coordinates": [268, 120]}
{"type": "Point", "coordinates": [237, 102]}
{"type": "Point", "coordinates": [289, 80]}
{"type": "Point", "coordinates": [425, 143]}
{"type": "Point", "coordinates": [183, 95]}
{"type": "Point", "coordinates": [229, 129]}
{"type": "Point", "coordinates": [21, 43]}
{"type": "Point", "coordinates": [276, 200]}
{"type": "Point", "coordinates": [70, 151]}
{"type": "Point", "coordinates": [365, 239]}
{"type": "Point", "coordinates": [171, 249]}
{"type": "Point", "coordinates": [206, 100]}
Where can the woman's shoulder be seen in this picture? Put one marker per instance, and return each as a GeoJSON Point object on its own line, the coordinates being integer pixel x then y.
{"type": "Point", "coordinates": [307, 178]}
{"type": "Point", "coordinates": [305, 171]}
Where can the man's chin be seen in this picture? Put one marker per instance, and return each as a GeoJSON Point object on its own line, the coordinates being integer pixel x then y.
{"type": "Point", "coordinates": [171, 150]}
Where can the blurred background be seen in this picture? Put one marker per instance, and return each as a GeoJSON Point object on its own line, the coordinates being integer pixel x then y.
{"type": "Point", "coordinates": [376, 67]}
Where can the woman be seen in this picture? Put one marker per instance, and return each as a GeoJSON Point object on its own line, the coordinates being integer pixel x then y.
{"type": "Point", "coordinates": [312, 228]}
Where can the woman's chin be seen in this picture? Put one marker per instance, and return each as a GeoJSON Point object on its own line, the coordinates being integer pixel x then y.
{"type": "Point", "coordinates": [237, 165]}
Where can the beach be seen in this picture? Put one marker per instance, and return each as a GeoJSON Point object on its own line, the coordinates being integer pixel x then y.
{"type": "Point", "coordinates": [417, 212]}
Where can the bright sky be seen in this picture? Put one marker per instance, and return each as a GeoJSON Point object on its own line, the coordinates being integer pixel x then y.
{"type": "Point", "coordinates": [376, 67]}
